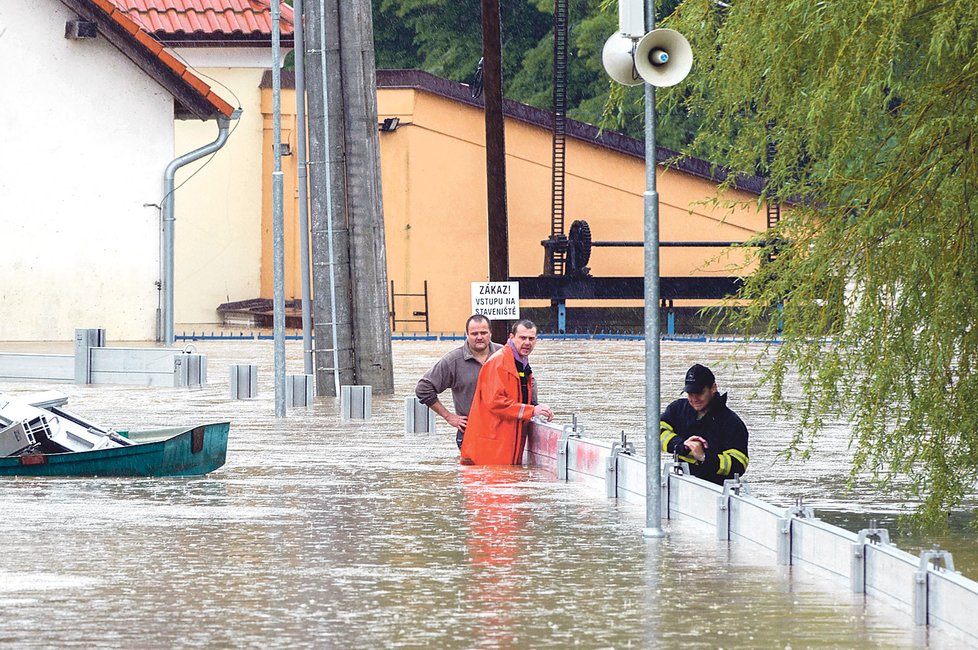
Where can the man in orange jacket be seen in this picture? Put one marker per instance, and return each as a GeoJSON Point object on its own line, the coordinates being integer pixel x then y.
{"type": "Point", "coordinates": [503, 404]}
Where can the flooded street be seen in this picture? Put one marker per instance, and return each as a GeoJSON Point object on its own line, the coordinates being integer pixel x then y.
{"type": "Point", "coordinates": [325, 534]}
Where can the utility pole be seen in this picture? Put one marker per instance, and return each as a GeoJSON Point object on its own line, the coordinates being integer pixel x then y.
{"type": "Point", "coordinates": [495, 153]}
{"type": "Point", "coordinates": [332, 308]}
{"type": "Point", "coordinates": [348, 242]}
{"type": "Point", "coordinates": [368, 249]}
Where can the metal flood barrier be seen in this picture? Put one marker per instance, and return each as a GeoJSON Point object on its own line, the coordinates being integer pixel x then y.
{"type": "Point", "coordinates": [925, 586]}
{"type": "Point", "coordinates": [93, 363]}
{"type": "Point", "coordinates": [48, 367]}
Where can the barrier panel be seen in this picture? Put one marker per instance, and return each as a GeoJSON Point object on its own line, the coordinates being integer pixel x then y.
{"type": "Point", "coordinates": [926, 586]}
{"type": "Point", "coordinates": [144, 367]}
{"type": "Point", "coordinates": [48, 367]}
{"type": "Point", "coordinates": [93, 363]}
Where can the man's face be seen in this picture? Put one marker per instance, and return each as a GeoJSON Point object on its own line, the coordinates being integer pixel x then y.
{"type": "Point", "coordinates": [701, 400]}
{"type": "Point", "coordinates": [478, 336]}
{"type": "Point", "coordinates": [524, 339]}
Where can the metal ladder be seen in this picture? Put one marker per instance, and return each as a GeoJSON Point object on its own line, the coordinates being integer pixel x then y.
{"type": "Point", "coordinates": [559, 257]}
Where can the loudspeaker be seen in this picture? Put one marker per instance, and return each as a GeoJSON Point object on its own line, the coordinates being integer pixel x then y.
{"type": "Point", "coordinates": [617, 60]}
{"type": "Point", "coordinates": [663, 57]}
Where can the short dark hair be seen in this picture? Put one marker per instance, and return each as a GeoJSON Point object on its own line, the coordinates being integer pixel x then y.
{"type": "Point", "coordinates": [475, 317]}
{"type": "Point", "coordinates": [526, 322]}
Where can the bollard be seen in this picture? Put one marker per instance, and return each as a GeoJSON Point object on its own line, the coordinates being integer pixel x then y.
{"type": "Point", "coordinates": [355, 401]}
{"type": "Point", "coordinates": [299, 390]}
{"type": "Point", "coordinates": [418, 418]}
{"type": "Point", "coordinates": [189, 369]}
{"type": "Point", "coordinates": [85, 340]}
{"type": "Point", "coordinates": [244, 381]}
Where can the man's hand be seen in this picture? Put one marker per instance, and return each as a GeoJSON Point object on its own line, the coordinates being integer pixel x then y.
{"type": "Point", "coordinates": [697, 447]}
{"type": "Point", "coordinates": [457, 421]}
{"type": "Point", "coordinates": [543, 411]}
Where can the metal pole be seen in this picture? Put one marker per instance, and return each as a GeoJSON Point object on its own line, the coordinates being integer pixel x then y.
{"type": "Point", "coordinates": [278, 217]}
{"type": "Point", "coordinates": [653, 508]}
{"type": "Point", "coordinates": [329, 200]}
{"type": "Point", "coordinates": [169, 187]}
{"type": "Point", "coordinates": [300, 147]}
{"type": "Point", "coordinates": [495, 153]}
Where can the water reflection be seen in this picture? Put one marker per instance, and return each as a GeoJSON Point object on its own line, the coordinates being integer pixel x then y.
{"type": "Point", "coordinates": [321, 534]}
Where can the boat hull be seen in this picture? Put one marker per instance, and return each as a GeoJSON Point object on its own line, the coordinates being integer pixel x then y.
{"type": "Point", "coordinates": [189, 451]}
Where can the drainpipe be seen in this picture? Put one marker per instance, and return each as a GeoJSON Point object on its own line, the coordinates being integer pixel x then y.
{"type": "Point", "coordinates": [223, 125]}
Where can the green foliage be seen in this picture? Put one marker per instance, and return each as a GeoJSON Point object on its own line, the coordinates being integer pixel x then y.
{"type": "Point", "coordinates": [444, 37]}
{"type": "Point", "coordinates": [864, 116]}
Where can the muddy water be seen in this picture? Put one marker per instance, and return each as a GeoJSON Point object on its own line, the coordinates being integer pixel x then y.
{"type": "Point", "coordinates": [323, 534]}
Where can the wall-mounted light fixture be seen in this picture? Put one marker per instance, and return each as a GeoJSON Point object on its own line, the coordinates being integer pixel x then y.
{"type": "Point", "coordinates": [390, 124]}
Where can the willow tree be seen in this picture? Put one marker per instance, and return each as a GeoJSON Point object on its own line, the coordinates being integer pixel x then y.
{"type": "Point", "coordinates": [863, 116]}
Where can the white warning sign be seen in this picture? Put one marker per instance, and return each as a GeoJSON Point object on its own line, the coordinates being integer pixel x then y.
{"type": "Point", "coordinates": [496, 300]}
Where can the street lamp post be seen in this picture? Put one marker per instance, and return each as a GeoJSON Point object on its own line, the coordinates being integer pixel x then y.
{"type": "Point", "coordinates": [640, 54]}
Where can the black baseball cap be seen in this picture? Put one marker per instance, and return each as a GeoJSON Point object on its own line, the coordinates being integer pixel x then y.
{"type": "Point", "coordinates": [698, 377]}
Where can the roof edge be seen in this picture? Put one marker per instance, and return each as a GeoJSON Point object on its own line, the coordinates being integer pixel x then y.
{"type": "Point", "coordinates": [425, 81]}
{"type": "Point", "coordinates": [190, 92]}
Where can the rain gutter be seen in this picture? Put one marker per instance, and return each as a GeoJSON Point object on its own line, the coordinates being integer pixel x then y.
{"type": "Point", "coordinates": [223, 125]}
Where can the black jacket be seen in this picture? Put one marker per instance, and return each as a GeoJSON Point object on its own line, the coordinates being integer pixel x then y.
{"type": "Point", "coordinates": [724, 431]}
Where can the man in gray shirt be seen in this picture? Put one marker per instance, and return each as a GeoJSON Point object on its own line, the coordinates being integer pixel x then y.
{"type": "Point", "coordinates": [458, 370]}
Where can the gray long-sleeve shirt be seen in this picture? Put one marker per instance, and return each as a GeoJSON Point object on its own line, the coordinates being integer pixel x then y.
{"type": "Point", "coordinates": [458, 370]}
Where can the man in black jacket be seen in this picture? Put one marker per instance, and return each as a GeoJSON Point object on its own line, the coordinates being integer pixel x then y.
{"type": "Point", "coordinates": [703, 431]}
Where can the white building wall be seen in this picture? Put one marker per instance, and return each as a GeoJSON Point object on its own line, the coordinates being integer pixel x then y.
{"type": "Point", "coordinates": [84, 138]}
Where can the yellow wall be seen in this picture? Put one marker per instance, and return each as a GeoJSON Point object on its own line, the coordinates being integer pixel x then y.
{"type": "Point", "coordinates": [434, 193]}
{"type": "Point", "coordinates": [218, 206]}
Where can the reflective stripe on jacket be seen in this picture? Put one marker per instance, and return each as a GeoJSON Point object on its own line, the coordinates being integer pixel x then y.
{"type": "Point", "coordinates": [725, 433]}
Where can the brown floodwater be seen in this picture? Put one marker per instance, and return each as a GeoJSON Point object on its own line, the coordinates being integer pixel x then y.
{"type": "Point", "coordinates": [319, 533]}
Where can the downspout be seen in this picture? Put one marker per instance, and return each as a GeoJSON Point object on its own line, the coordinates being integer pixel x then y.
{"type": "Point", "coordinates": [223, 125]}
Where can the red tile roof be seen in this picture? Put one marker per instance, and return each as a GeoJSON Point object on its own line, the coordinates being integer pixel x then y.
{"type": "Point", "coordinates": [208, 21]}
{"type": "Point", "coordinates": [193, 96]}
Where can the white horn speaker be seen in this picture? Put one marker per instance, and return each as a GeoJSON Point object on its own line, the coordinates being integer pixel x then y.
{"type": "Point", "coordinates": [663, 57]}
{"type": "Point", "coordinates": [617, 60]}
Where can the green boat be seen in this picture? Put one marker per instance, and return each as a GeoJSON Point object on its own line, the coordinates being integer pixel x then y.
{"type": "Point", "coordinates": [38, 437]}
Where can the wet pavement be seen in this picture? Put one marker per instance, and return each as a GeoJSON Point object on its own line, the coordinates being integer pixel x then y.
{"type": "Point", "coordinates": [319, 533]}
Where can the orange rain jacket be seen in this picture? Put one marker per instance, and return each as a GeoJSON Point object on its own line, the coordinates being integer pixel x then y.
{"type": "Point", "coordinates": [498, 422]}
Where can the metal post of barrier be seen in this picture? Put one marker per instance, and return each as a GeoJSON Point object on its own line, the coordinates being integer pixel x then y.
{"type": "Point", "coordinates": [570, 431]}
{"type": "Point", "coordinates": [244, 381]}
{"type": "Point", "coordinates": [798, 511]}
{"type": "Point", "coordinates": [731, 486]}
{"type": "Point", "coordinates": [418, 418]}
{"type": "Point", "coordinates": [299, 390]}
{"type": "Point", "coordinates": [356, 402]}
{"type": "Point", "coordinates": [189, 369]}
{"type": "Point", "coordinates": [664, 471]}
{"type": "Point", "coordinates": [611, 467]}
{"type": "Point", "coordinates": [85, 340]}
{"type": "Point", "coordinates": [938, 558]}
{"type": "Point", "coordinates": [857, 572]}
